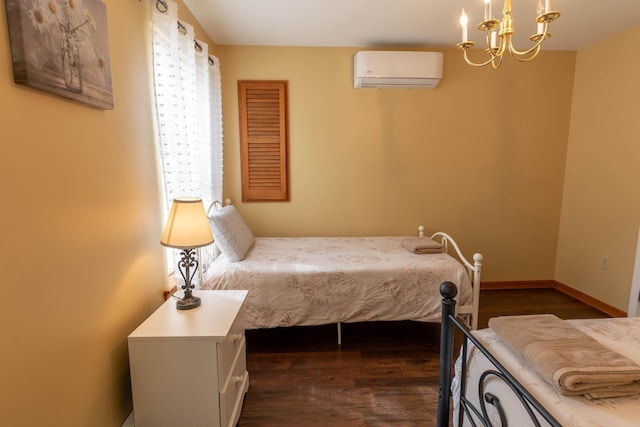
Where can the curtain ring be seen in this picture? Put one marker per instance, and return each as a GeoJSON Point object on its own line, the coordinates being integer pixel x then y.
{"type": "Point", "coordinates": [211, 61]}
{"type": "Point", "coordinates": [197, 46]}
{"type": "Point", "coordinates": [162, 6]}
{"type": "Point", "coordinates": [182, 28]}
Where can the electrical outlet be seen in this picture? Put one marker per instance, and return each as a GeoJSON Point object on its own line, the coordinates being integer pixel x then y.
{"type": "Point", "coordinates": [604, 264]}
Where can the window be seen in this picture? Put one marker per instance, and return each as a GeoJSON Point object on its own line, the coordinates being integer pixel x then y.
{"type": "Point", "coordinates": [263, 140]}
{"type": "Point", "coordinates": [188, 107]}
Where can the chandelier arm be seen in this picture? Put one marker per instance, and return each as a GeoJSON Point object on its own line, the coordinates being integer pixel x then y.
{"type": "Point", "coordinates": [477, 64]}
{"type": "Point", "coordinates": [491, 50]}
{"type": "Point", "coordinates": [536, 47]}
{"type": "Point", "coordinates": [498, 64]}
{"type": "Point", "coordinates": [522, 55]}
{"type": "Point", "coordinates": [505, 40]}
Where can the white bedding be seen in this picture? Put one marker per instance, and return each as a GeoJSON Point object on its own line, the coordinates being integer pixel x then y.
{"type": "Point", "coordinates": [620, 334]}
{"type": "Point", "coordinates": [322, 280]}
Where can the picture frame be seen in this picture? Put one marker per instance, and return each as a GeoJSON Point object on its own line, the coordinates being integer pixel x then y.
{"type": "Point", "coordinates": [62, 47]}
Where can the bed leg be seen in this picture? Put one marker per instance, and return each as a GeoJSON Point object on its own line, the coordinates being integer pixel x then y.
{"type": "Point", "coordinates": [339, 333]}
{"type": "Point", "coordinates": [448, 291]}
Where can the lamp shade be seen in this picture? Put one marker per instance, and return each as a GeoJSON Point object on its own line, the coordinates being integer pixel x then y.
{"type": "Point", "coordinates": [187, 225]}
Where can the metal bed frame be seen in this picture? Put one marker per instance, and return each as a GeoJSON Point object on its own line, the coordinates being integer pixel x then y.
{"type": "Point", "coordinates": [468, 411]}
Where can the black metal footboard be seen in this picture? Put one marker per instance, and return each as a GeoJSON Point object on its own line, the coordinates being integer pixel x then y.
{"type": "Point", "coordinates": [467, 410]}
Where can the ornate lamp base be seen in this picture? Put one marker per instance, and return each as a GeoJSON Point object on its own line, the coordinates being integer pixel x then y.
{"type": "Point", "coordinates": [188, 262]}
{"type": "Point", "coordinates": [188, 302]}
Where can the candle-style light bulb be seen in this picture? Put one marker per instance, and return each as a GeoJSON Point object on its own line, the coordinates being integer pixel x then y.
{"type": "Point", "coordinates": [463, 23]}
{"type": "Point", "coordinates": [487, 10]}
{"type": "Point", "coordinates": [539, 11]}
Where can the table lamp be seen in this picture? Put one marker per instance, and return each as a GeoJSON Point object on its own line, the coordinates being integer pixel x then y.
{"type": "Point", "coordinates": [187, 229]}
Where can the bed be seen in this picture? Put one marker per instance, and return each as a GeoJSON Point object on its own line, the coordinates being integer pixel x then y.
{"type": "Point", "coordinates": [514, 393]}
{"type": "Point", "coordinates": [303, 281]}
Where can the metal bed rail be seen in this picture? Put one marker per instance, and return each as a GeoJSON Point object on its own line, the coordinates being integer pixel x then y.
{"type": "Point", "coordinates": [468, 410]}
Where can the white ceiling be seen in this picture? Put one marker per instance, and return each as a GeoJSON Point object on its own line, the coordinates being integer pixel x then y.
{"type": "Point", "coordinates": [400, 23]}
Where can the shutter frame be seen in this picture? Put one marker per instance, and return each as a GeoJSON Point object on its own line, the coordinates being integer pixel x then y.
{"type": "Point", "coordinates": [263, 140]}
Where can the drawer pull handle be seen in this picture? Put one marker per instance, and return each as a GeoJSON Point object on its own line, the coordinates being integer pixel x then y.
{"type": "Point", "coordinates": [236, 337]}
{"type": "Point", "coordinates": [239, 379]}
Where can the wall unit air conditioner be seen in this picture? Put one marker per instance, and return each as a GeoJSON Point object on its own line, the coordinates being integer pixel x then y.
{"type": "Point", "coordinates": [397, 69]}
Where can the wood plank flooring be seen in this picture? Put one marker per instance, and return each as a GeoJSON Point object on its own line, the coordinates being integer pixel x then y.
{"type": "Point", "coordinates": [384, 374]}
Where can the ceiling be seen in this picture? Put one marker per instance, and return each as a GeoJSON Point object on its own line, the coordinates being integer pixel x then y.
{"type": "Point", "coordinates": [400, 23]}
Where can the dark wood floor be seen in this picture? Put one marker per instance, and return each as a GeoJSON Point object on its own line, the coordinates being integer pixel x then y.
{"type": "Point", "coordinates": [384, 374]}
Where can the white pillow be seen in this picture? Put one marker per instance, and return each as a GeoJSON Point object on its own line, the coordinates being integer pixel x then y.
{"type": "Point", "coordinates": [231, 233]}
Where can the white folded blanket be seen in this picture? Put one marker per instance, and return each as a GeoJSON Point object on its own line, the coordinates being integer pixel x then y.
{"type": "Point", "coordinates": [572, 361]}
{"type": "Point", "coordinates": [421, 245]}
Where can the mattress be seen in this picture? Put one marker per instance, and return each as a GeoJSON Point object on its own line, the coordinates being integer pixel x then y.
{"type": "Point", "coordinates": [320, 280]}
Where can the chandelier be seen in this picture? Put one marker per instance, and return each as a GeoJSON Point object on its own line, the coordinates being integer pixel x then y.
{"type": "Point", "coordinates": [500, 33]}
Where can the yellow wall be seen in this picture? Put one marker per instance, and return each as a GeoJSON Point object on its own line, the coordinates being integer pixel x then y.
{"type": "Point", "coordinates": [601, 203]}
{"type": "Point", "coordinates": [481, 157]}
{"type": "Point", "coordinates": [81, 261]}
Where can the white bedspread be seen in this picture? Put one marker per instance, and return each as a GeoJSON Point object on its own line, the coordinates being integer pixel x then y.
{"type": "Point", "coordinates": [322, 280]}
{"type": "Point", "coordinates": [620, 334]}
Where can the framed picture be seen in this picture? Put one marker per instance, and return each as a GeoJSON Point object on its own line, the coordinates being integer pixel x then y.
{"type": "Point", "coordinates": [62, 47]}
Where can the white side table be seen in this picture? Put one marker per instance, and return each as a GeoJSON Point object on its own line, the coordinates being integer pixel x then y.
{"type": "Point", "coordinates": [188, 367]}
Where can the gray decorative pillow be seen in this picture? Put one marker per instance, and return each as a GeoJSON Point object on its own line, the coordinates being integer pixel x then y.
{"type": "Point", "coordinates": [231, 233]}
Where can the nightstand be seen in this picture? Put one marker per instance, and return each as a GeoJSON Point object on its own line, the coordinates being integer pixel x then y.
{"type": "Point", "coordinates": [188, 367]}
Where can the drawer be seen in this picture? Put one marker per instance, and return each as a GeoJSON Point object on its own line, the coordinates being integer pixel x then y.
{"type": "Point", "coordinates": [229, 347]}
{"type": "Point", "coordinates": [233, 390]}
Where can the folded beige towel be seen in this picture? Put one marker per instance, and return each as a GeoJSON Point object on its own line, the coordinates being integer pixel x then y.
{"type": "Point", "coordinates": [572, 361]}
{"type": "Point", "coordinates": [421, 245]}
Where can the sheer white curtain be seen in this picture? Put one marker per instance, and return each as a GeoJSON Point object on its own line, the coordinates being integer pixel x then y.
{"type": "Point", "coordinates": [216, 127]}
{"type": "Point", "coordinates": [189, 109]}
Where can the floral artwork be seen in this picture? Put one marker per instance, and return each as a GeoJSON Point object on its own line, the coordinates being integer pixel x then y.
{"type": "Point", "coordinates": [61, 46]}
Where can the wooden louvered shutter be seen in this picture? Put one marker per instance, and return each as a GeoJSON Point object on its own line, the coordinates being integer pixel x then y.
{"type": "Point", "coordinates": [263, 140]}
